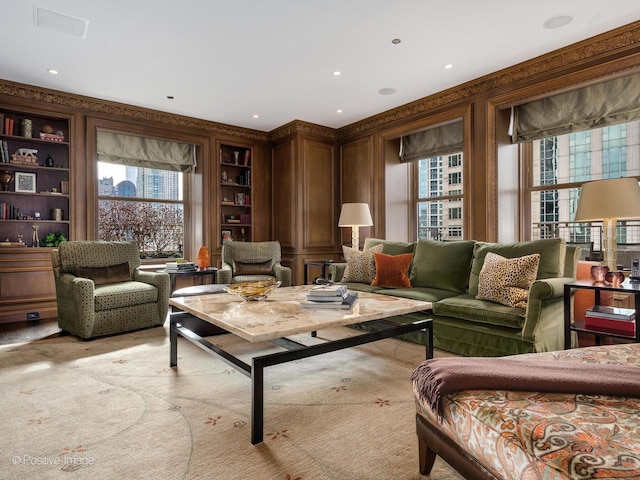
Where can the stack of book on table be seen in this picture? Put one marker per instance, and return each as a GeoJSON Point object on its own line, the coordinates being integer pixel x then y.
{"type": "Point", "coordinates": [180, 267]}
{"type": "Point", "coordinates": [330, 297]}
{"type": "Point", "coordinates": [617, 320]}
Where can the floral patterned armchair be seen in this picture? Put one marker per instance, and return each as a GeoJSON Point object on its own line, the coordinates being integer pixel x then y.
{"type": "Point", "coordinates": [100, 289]}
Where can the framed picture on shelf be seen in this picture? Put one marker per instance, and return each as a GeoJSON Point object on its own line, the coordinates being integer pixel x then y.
{"type": "Point", "coordinates": [239, 200]}
{"type": "Point", "coordinates": [25, 182]}
{"type": "Point", "coordinates": [226, 236]}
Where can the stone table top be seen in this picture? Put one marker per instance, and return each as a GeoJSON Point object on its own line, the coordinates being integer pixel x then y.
{"type": "Point", "coordinates": [281, 315]}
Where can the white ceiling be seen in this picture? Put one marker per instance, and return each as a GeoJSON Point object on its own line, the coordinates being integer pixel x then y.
{"type": "Point", "coordinates": [228, 60]}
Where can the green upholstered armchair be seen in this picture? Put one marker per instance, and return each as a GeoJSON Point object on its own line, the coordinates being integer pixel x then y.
{"type": "Point", "coordinates": [252, 261]}
{"type": "Point", "coordinates": [100, 289]}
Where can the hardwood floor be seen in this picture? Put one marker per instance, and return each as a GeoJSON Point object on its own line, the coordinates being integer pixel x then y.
{"type": "Point", "coordinates": [20, 332]}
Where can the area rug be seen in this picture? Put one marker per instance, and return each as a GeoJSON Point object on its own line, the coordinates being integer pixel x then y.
{"type": "Point", "coordinates": [113, 408]}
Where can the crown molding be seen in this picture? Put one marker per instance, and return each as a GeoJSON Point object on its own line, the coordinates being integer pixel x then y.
{"type": "Point", "coordinates": [616, 41]}
{"type": "Point", "coordinates": [89, 105]}
{"type": "Point", "coordinates": [300, 127]}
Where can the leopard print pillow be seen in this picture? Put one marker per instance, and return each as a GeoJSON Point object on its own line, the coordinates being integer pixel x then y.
{"type": "Point", "coordinates": [507, 280]}
{"type": "Point", "coordinates": [361, 266]}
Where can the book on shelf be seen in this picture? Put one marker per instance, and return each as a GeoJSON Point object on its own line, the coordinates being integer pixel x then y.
{"type": "Point", "coordinates": [613, 313]}
{"type": "Point", "coordinates": [611, 325]}
{"type": "Point", "coordinates": [12, 244]}
{"type": "Point", "coordinates": [345, 304]}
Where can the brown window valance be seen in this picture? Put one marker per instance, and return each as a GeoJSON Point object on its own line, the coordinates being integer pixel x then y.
{"type": "Point", "coordinates": [123, 149]}
{"type": "Point", "coordinates": [594, 106]}
{"type": "Point", "coordinates": [440, 140]}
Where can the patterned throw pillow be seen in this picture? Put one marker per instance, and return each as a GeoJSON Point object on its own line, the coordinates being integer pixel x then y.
{"type": "Point", "coordinates": [392, 270]}
{"type": "Point", "coordinates": [508, 280]}
{"type": "Point", "coordinates": [361, 266]}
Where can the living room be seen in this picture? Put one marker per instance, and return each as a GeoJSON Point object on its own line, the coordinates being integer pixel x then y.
{"type": "Point", "coordinates": [302, 173]}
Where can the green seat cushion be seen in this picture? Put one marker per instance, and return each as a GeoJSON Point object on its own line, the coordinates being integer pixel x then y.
{"type": "Point", "coordinates": [124, 294]}
{"type": "Point", "coordinates": [442, 265]}
{"type": "Point", "coordinates": [467, 307]}
{"type": "Point", "coordinates": [419, 293]}
{"type": "Point", "coordinates": [362, 287]}
{"type": "Point", "coordinates": [552, 255]}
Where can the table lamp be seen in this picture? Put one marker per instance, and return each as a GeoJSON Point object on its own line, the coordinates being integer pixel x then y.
{"type": "Point", "coordinates": [609, 200]}
{"type": "Point", "coordinates": [355, 215]}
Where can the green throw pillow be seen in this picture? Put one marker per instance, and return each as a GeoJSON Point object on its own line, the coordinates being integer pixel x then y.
{"type": "Point", "coordinates": [442, 265]}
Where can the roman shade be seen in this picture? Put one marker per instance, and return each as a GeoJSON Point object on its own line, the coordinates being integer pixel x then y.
{"type": "Point", "coordinates": [594, 106]}
{"type": "Point", "coordinates": [133, 150]}
{"type": "Point", "coordinates": [433, 142]}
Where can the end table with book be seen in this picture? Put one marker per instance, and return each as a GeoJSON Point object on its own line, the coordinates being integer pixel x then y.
{"type": "Point", "coordinates": [600, 320]}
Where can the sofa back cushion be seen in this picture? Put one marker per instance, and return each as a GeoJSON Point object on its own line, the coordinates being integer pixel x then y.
{"type": "Point", "coordinates": [389, 247]}
{"type": "Point", "coordinates": [442, 265]}
{"type": "Point", "coordinates": [552, 256]}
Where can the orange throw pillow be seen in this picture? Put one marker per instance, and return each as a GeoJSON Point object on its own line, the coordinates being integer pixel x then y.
{"type": "Point", "coordinates": [392, 270]}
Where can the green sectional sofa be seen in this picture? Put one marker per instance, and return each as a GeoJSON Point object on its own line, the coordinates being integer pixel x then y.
{"type": "Point", "coordinates": [447, 274]}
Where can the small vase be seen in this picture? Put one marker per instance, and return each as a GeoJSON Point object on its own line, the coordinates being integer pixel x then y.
{"type": "Point", "coordinates": [614, 278]}
{"type": "Point", "coordinates": [6, 177]}
{"type": "Point", "coordinates": [203, 258]}
{"type": "Point", "coordinates": [599, 273]}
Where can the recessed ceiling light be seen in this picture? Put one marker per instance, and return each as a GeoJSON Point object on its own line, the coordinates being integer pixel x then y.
{"type": "Point", "coordinates": [336, 73]}
{"type": "Point", "coordinates": [52, 71]}
{"type": "Point", "coordinates": [339, 110]}
{"type": "Point", "coordinates": [170, 97]}
{"type": "Point", "coordinates": [396, 41]}
{"type": "Point", "coordinates": [557, 21]}
{"type": "Point", "coordinates": [387, 91]}
{"type": "Point", "coordinates": [448, 66]}
{"type": "Point", "coordinates": [255, 115]}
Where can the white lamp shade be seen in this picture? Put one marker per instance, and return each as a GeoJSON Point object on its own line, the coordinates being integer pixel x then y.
{"type": "Point", "coordinates": [355, 215]}
{"type": "Point", "coordinates": [612, 198]}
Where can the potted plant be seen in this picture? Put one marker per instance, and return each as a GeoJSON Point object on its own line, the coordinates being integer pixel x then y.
{"type": "Point", "coordinates": [53, 239]}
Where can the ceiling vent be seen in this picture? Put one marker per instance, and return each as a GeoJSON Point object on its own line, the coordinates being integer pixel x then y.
{"type": "Point", "coordinates": [60, 22]}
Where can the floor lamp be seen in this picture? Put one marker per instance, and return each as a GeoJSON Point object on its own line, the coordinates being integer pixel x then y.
{"type": "Point", "coordinates": [355, 215]}
{"type": "Point", "coordinates": [609, 200]}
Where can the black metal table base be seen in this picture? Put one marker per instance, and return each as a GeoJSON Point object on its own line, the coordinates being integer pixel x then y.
{"type": "Point", "coordinates": [294, 351]}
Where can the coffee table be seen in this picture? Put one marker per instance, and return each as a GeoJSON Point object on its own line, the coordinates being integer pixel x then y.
{"type": "Point", "coordinates": [280, 316]}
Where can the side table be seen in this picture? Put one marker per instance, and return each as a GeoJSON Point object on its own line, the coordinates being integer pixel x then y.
{"type": "Point", "coordinates": [173, 275]}
{"type": "Point", "coordinates": [626, 287]}
{"type": "Point", "coordinates": [316, 263]}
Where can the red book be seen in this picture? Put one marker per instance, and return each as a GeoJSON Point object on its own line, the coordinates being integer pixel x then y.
{"type": "Point", "coordinates": [615, 326]}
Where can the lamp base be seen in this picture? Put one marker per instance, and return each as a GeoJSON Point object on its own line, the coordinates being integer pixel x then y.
{"type": "Point", "coordinates": [355, 238]}
{"type": "Point", "coordinates": [609, 243]}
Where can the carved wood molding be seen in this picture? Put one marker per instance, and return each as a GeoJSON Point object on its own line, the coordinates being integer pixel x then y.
{"type": "Point", "coordinates": [90, 105]}
{"type": "Point", "coordinates": [619, 40]}
{"type": "Point", "coordinates": [299, 127]}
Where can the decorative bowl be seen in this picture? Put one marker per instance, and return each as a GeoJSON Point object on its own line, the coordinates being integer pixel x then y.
{"type": "Point", "coordinates": [253, 291]}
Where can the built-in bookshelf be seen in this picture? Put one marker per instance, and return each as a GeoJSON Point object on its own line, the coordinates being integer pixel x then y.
{"type": "Point", "coordinates": [34, 176]}
{"type": "Point", "coordinates": [235, 193]}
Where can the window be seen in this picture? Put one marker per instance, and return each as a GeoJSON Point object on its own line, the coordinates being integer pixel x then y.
{"type": "Point", "coordinates": [559, 166]}
{"type": "Point", "coordinates": [439, 208]}
{"type": "Point", "coordinates": [142, 204]}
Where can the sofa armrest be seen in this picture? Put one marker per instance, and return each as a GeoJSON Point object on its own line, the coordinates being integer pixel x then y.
{"type": "Point", "coordinates": [224, 274]}
{"type": "Point", "coordinates": [336, 271]}
{"type": "Point", "coordinates": [283, 274]}
{"type": "Point", "coordinates": [544, 317]}
{"type": "Point", "coordinates": [162, 282]}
